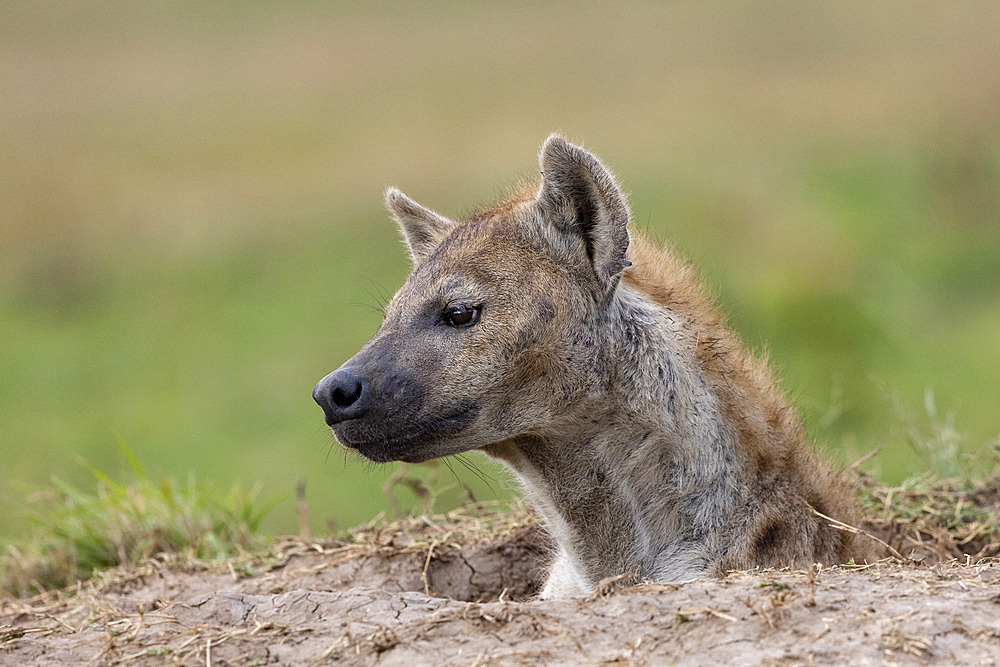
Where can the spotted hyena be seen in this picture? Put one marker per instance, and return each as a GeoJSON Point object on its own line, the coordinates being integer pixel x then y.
{"type": "Point", "coordinates": [546, 334]}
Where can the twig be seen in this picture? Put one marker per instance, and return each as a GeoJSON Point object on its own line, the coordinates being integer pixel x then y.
{"type": "Point", "coordinates": [427, 564]}
{"type": "Point", "coordinates": [609, 585]}
{"type": "Point", "coordinates": [872, 453]}
{"type": "Point", "coordinates": [57, 620]}
{"type": "Point", "coordinates": [840, 525]}
{"type": "Point", "coordinates": [707, 610]}
{"type": "Point", "coordinates": [762, 612]}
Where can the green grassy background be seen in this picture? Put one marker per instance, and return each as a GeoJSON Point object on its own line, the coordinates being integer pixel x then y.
{"type": "Point", "coordinates": [191, 231]}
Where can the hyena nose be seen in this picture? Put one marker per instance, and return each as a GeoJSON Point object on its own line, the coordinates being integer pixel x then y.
{"type": "Point", "coordinates": [342, 395]}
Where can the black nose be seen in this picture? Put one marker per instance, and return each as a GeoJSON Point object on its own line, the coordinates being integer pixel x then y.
{"type": "Point", "coordinates": [342, 395]}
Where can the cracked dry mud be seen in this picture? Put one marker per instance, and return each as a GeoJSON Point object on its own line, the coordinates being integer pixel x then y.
{"type": "Point", "coordinates": [442, 593]}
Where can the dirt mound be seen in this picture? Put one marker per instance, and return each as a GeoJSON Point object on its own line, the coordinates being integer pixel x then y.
{"type": "Point", "coordinates": [886, 612]}
{"type": "Point", "coordinates": [456, 590]}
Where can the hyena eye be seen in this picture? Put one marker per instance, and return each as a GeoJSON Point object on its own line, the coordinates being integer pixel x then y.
{"type": "Point", "coordinates": [462, 316]}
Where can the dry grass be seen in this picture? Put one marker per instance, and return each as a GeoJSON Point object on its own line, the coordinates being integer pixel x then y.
{"type": "Point", "coordinates": [925, 519]}
{"type": "Point", "coordinates": [420, 535]}
{"type": "Point", "coordinates": [936, 519]}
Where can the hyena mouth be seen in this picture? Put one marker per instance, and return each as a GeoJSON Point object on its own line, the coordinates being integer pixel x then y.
{"type": "Point", "coordinates": [420, 442]}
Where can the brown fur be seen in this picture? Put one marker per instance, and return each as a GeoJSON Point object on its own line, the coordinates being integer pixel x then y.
{"type": "Point", "coordinates": [769, 430]}
{"type": "Point", "coordinates": [648, 438]}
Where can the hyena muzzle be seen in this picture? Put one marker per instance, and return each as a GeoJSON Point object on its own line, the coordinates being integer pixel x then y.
{"type": "Point", "coordinates": [544, 333]}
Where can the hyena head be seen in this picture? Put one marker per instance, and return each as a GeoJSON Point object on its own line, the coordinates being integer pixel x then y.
{"type": "Point", "coordinates": [498, 330]}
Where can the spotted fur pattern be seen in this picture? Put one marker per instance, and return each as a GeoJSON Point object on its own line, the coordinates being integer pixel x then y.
{"type": "Point", "coordinates": [646, 436]}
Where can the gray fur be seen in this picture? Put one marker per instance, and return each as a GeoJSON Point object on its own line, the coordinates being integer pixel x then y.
{"type": "Point", "coordinates": [640, 455]}
{"type": "Point", "coordinates": [422, 228]}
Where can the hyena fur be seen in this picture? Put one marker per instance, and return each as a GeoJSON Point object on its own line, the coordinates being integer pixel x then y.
{"type": "Point", "coordinates": [588, 360]}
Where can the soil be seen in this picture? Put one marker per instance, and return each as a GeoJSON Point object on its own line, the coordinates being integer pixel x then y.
{"type": "Point", "coordinates": [457, 590]}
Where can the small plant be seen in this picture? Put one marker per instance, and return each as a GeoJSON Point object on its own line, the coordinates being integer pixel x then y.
{"type": "Point", "coordinates": [934, 438]}
{"type": "Point", "coordinates": [777, 585]}
{"type": "Point", "coordinates": [77, 532]}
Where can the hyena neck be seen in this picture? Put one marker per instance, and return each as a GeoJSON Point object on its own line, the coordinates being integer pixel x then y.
{"type": "Point", "coordinates": [628, 478]}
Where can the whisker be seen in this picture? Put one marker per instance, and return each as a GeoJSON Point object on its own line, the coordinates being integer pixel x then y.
{"type": "Point", "coordinates": [474, 469]}
{"type": "Point", "coordinates": [330, 447]}
{"type": "Point", "coordinates": [447, 464]}
{"type": "Point", "coordinates": [383, 297]}
{"type": "Point", "coordinates": [479, 471]}
{"type": "Point", "coordinates": [378, 310]}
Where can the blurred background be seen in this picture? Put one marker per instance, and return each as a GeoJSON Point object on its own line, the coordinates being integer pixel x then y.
{"type": "Point", "coordinates": [192, 232]}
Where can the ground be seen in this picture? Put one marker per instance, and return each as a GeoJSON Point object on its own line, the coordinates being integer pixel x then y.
{"type": "Point", "coordinates": [457, 589]}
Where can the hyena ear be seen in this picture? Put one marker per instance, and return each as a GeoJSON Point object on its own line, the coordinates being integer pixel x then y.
{"type": "Point", "coordinates": [422, 228]}
{"type": "Point", "coordinates": [579, 195]}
